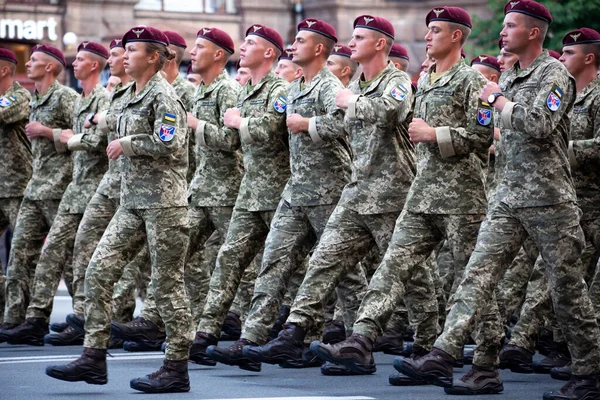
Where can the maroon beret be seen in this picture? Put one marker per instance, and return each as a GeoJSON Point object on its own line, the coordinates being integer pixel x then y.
{"type": "Point", "coordinates": [145, 34]}
{"type": "Point", "coordinates": [340, 50]}
{"type": "Point", "coordinates": [449, 14]}
{"type": "Point", "coordinates": [488, 61]}
{"type": "Point", "coordinates": [218, 37]}
{"type": "Point", "coordinates": [176, 39]}
{"type": "Point", "coordinates": [8, 55]}
{"type": "Point", "coordinates": [117, 42]}
{"type": "Point", "coordinates": [554, 54]}
{"type": "Point", "coordinates": [375, 23]}
{"type": "Point", "coordinates": [189, 70]}
{"type": "Point", "coordinates": [51, 51]}
{"type": "Point", "coordinates": [266, 33]}
{"type": "Point", "coordinates": [399, 51]}
{"type": "Point", "coordinates": [93, 47]}
{"type": "Point", "coordinates": [581, 36]}
{"type": "Point", "coordinates": [529, 7]}
{"type": "Point", "coordinates": [287, 54]}
{"type": "Point", "coordinates": [318, 26]}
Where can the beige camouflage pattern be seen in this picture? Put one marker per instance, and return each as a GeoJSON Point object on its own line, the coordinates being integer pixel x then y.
{"type": "Point", "coordinates": [185, 90]}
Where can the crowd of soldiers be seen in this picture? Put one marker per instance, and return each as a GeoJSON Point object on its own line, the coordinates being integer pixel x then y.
{"type": "Point", "coordinates": [311, 217]}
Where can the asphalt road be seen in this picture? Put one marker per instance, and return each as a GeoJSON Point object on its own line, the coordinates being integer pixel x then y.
{"type": "Point", "coordinates": [22, 377]}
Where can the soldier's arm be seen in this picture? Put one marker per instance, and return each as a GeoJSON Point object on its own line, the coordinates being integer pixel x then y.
{"type": "Point", "coordinates": [582, 152]}
{"type": "Point", "coordinates": [329, 126]}
{"type": "Point", "coordinates": [16, 111]}
{"type": "Point", "coordinates": [538, 120]}
{"type": "Point", "coordinates": [92, 139]}
{"type": "Point", "coordinates": [66, 106]}
{"type": "Point", "coordinates": [218, 136]}
{"type": "Point", "coordinates": [477, 134]}
{"type": "Point", "coordinates": [394, 104]}
{"type": "Point", "coordinates": [270, 125]}
{"type": "Point", "coordinates": [151, 144]}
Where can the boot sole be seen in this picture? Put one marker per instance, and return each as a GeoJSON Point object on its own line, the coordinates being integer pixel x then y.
{"type": "Point", "coordinates": [133, 346]}
{"type": "Point", "coordinates": [31, 341]}
{"type": "Point", "coordinates": [336, 370]}
{"type": "Point", "coordinates": [518, 368]}
{"type": "Point", "coordinates": [405, 381]}
{"type": "Point", "coordinates": [94, 379]}
{"type": "Point", "coordinates": [560, 376]}
{"type": "Point", "coordinates": [323, 354]}
{"type": "Point", "coordinates": [274, 360]}
{"type": "Point", "coordinates": [539, 369]}
{"type": "Point", "coordinates": [136, 337]}
{"type": "Point", "coordinates": [432, 378]}
{"type": "Point", "coordinates": [587, 396]}
{"type": "Point", "coordinates": [173, 388]}
{"type": "Point", "coordinates": [58, 342]}
{"type": "Point", "coordinates": [202, 359]}
{"type": "Point", "coordinates": [494, 389]}
{"type": "Point", "coordinates": [243, 363]}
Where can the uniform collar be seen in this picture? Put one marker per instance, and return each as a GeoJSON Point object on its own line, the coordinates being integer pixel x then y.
{"type": "Point", "coordinates": [37, 101]}
{"type": "Point", "coordinates": [156, 78]}
{"type": "Point", "coordinates": [591, 87]}
{"type": "Point", "coordinates": [213, 85]}
{"type": "Point", "coordinates": [444, 79]}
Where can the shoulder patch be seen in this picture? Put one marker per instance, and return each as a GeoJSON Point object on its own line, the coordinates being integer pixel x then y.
{"type": "Point", "coordinates": [399, 92]}
{"type": "Point", "coordinates": [169, 119]}
{"type": "Point", "coordinates": [6, 101]}
{"type": "Point", "coordinates": [280, 104]}
{"type": "Point", "coordinates": [554, 99]}
{"type": "Point", "coordinates": [167, 132]}
{"type": "Point", "coordinates": [484, 113]}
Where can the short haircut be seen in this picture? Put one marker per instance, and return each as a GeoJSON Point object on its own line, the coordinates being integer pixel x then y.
{"type": "Point", "coordinates": [465, 30]}
{"type": "Point", "coordinates": [593, 48]}
{"type": "Point", "coordinates": [327, 43]}
{"type": "Point", "coordinates": [531, 23]}
{"type": "Point", "coordinates": [100, 60]}
{"type": "Point", "coordinates": [12, 67]}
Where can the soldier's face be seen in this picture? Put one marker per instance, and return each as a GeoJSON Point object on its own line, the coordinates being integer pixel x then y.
{"type": "Point", "coordinates": [112, 83]}
{"type": "Point", "coordinates": [252, 51]}
{"type": "Point", "coordinates": [439, 39]}
{"type": "Point", "coordinates": [194, 79]}
{"type": "Point", "coordinates": [335, 65]}
{"type": "Point", "coordinates": [363, 44]}
{"type": "Point", "coordinates": [286, 69]}
{"type": "Point", "coordinates": [515, 33]}
{"type": "Point", "coordinates": [82, 66]}
{"type": "Point", "coordinates": [242, 76]}
{"type": "Point", "coordinates": [303, 48]}
{"type": "Point", "coordinates": [574, 57]}
{"type": "Point", "coordinates": [202, 55]}
{"type": "Point", "coordinates": [136, 59]}
{"type": "Point", "coordinates": [115, 61]}
{"type": "Point", "coordinates": [489, 73]}
{"type": "Point", "coordinates": [506, 59]}
{"type": "Point", "coordinates": [36, 66]}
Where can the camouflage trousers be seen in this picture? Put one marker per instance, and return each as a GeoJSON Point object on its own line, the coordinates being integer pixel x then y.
{"type": "Point", "coordinates": [9, 209]}
{"type": "Point", "coordinates": [244, 240]}
{"type": "Point", "coordinates": [404, 272]}
{"type": "Point", "coordinates": [347, 238]}
{"type": "Point", "coordinates": [294, 231]}
{"type": "Point", "coordinates": [55, 260]}
{"type": "Point", "coordinates": [33, 223]}
{"type": "Point", "coordinates": [136, 277]}
{"type": "Point", "coordinates": [167, 234]}
{"type": "Point", "coordinates": [559, 238]}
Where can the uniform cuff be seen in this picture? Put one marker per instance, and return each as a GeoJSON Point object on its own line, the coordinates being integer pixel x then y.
{"type": "Point", "coordinates": [312, 131]}
{"type": "Point", "coordinates": [444, 140]}
{"type": "Point", "coordinates": [127, 146]}
{"type": "Point", "coordinates": [244, 132]}
{"type": "Point", "coordinates": [60, 147]}
{"type": "Point", "coordinates": [74, 144]}
{"type": "Point", "coordinates": [200, 133]}
{"type": "Point", "coordinates": [507, 114]}
{"type": "Point", "coordinates": [572, 160]}
{"type": "Point", "coordinates": [102, 122]}
{"type": "Point", "coordinates": [352, 106]}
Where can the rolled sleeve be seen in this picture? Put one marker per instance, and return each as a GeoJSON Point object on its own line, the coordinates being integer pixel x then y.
{"type": "Point", "coordinates": [352, 106]}
{"type": "Point", "coordinates": [572, 159]}
{"type": "Point", "coordinates": [245, 132]}
{"type": "Point", "coordinates": [507, 114]}
{"type": "Point", "coordinates": [312, 131]}
{"type": "Point", "coordinates": [127, 146]}
{"type": "Point", "coordinates": [74, 144]}
{"type": "Point", "coordinates": [60, 147]}
{"type": "Point", "coordinates": [200, 133]}
{"type": "Point", "coordinates": [444, 140]}
{"type": "Point", "coordinates": [102, 124]}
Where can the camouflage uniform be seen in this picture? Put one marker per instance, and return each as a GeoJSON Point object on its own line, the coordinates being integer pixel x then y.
{"type": "Point", "coordinates": [153, 134]}
{"type": "Point", "coordinates": [535, 129]}
{"type": "Point", "coordinates": [266, 170]}
{"type": "Point", "coordinates": [101, 207]}
{"type": "Point", "coordinates": [89, 165]}
{"type": "Point", "coordinates": [52, 172]}
{"type": "Point", "coordinates": [320, 168]}
{"type": "Point", "coordinates": [446, 200]}
{"type": "Point", "coordinates": [382, 169]}
{"type": "Point", "coordinates": [16, 160]}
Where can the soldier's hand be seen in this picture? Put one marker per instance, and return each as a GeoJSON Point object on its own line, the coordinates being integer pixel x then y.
{"type": "Point", "coordinates": [341, 99]}
{"type": "Point", "coordinates": [65, 135]}
{"type": "Point", "coordinates": [489, 88]}
{"type": "Point", "coordinates": [232, 118]}
{"type": "Point", "coordinates": [114, 149]}
{"type": "Point", "coordinates": [496, 133]}
{"type": "Point", "coordinates": [87, 124]}
{"type": "Point", "coordinates": [296, 123]}
{"type": "Point", "coordinates": [36, 129]}
{"type": "Point", "coordinates": [420, 131]}
{"type": "Point", "coordinates": [492, 149]}
{"type": "Point", "coordinates": [192, 121]}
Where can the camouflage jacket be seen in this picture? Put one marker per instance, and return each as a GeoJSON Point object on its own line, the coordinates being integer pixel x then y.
{"type": "Point", "coordinates": [535, 134]}
{"type": "Point", "coordinates": [185, 90]}
{"type": "Point", "coordinates": [450, 172]}
{"type": "Point", "coordinates": [15, 156]}
{"type": "Point", "coordinates": [219, 167]}
{"type": "Point", "coordinates": [52, 162]}
{"type": "Point", "coordinates": [152, 128]}
{"type": "Point", "coordinates": [89, 153]}
{"type": "Point", "coordinates": [320, 158]}
{"type": "Point", "coordinates": [110, 185]}
{"type": "Point", "coordinates": [376, 121]}
{"type": "Point", "coordinates": [263, 137]}
{"type": "Point", "coordinates": [584, 149]}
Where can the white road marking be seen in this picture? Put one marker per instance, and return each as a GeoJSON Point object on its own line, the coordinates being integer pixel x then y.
{"type": "Point", "coordinates": [63, 358]}
{"type": "Point", "coordinates": [303, 398]}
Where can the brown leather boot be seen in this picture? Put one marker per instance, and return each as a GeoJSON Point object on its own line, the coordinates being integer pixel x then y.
{"type": "Point", "coordinates": [517, 359]}
{"type": "Point", "coordinates": [198, 349]}
{"type": "Point", "coordinates": [286, 347]}
{"type": "Point", "coordinates": [90, 368]}
{"type": "Point", "coordinates": [479, 380]}
{"type": "Point", "coordinates": [356, 353]}
{"type": "Point", "coordinates": [435, 368]}
{"type": "Point", "coordinates": [233, 355]}
{"type": "Point", "coordinates": [170, 378]}
{"type": "Point", "coordinates": [579, 387]}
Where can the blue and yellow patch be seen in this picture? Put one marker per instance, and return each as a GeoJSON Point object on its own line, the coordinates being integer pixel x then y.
{"type": "Point", "coordinates": [553, 101]}
{"type": "Point", "coordinates": [484, 113]}
{"type": "Point", "coordinates": [280, 104]}
{"type": "Point", "coordinates": [7, 101]}
{"type": "Point", "coordinates": [166, 133]}
{"type": "Point", "coordinates": [169, 119]}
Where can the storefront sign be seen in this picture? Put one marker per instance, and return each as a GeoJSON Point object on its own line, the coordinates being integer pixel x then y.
{"type": "Point", "coordinates": [28, 30]}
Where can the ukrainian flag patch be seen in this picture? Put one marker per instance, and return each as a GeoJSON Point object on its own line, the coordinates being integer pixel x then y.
{"type": "Point", "coordinates": [169, 119]}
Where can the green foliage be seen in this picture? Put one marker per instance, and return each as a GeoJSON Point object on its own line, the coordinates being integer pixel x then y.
{"type": "Point", "coordinates": [567, 15]}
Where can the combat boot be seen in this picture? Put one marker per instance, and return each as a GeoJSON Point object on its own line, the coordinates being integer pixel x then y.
{"type": "Point", "coordinates": [334, 332]}
{"type": "Point", "coordinates": [198, 349]}
{"type": "Point", "coordinates": [579, 387]}
{"type": "Point", "coordinates": [58, 327]}
{"type": "Point", "coordinates": [434, 368]}
{"type": "Point", "coordinates": [399, 379]}
{"type": "Point", "coordinates": [479, 380]}
{"type": "Point", "coordinates": [287, 346]}
{"type": "Point", "coordinates": [517, 359]}
{"type": "Point", "coordinates": [232, 327]}
{"type": "Point", "coordinates": [562, 373]}
{"type": "Point", "coordinates": [6, 326]}
{"type": "Point", "coordinates": [284, 313]}
{"type": "Point", "coordinates": [545, 342]}
{"type": "Point", "coordinates": [331, 369]}
{"type": "Point", "coordinates": [143, 345]}
{"type": "Point", "coordinates": [68, 337]}
{"type": "Point", "coordinates": [558, 357]}
{"type": "Point", "coordinates": [308, 360]}
{"type": "Point", "coordinates": [30, 332]}
{"type": "Point", "coordinates": [90, 368]}
{"type": "Point", "coordinates": [233, 355]}
{"type": "Point", "coordinates": [356, 353]}
{"type": "Point", "coordinates": [171, 377]}
{"type": "Point", "coordinates": [77, 322]}
{"type": "Point", "coordinates": [137, 330]}
{"type": "Point", "coordinates": [390, 343]}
